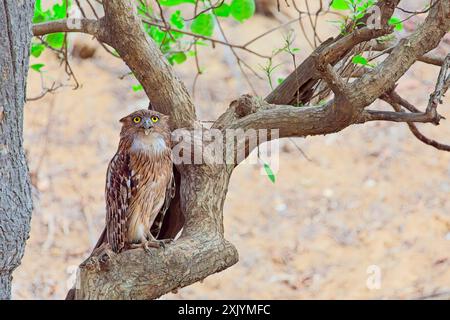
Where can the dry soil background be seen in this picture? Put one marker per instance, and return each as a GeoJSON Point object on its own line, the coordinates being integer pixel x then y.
{"type": "Point", "coordinates": [370, 195]}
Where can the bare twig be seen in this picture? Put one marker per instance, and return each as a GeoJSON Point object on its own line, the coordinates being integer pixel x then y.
{"type": "Point", "coordinates": [441, 88]}
{"type": "Point", "coordinates": [168, 28]}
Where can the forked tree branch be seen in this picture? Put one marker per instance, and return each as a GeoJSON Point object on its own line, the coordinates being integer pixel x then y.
{"type": "Point", "coordinates": [373, 84]}
{"type": "Point", "coordinates": [442, 85]}
{"type": "Point", "coordinates": [165, 91]}
{"type": "Point", "coordinates": [297, 88]}
{"type": "Point", "coordinates": [397, 103]}
{"type": "Point", "coordinates": [201, 249]}
{"type": "Point", "coordinates": [348, 109]}
{"type": "Point", "coordinates": [121, 28]}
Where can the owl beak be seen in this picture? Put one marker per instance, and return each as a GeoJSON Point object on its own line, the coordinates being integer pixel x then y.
{"type": "Point", "coordinates": [147, 125]}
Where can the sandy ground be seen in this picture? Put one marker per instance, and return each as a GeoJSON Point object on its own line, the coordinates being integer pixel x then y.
{"type": "Point", "coordinates": [371, 195]}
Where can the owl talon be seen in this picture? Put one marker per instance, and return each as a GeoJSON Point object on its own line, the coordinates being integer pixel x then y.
{"type": "Point", "coordinates": [163, 242]}
{"type": "Point", "coordinates": [153, 244]}
{"type": "Point", "coordinates": [146, 247]}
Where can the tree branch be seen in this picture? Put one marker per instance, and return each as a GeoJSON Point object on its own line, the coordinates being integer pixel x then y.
{"type": "Point", "coordinates": [373, 115]}
{"type": "Point", "coordinates": [435, 144]}
{"type": "Point", "coordinates": [386, 47]}
{"type": "Point", "coordinates": [121, 28]}
{"type": "Point", "coordinates": [88, 26]}
{"type": "Point", "coordinates": [136, 274]}
{"type": "Point", "coordinates": [346, 110]}
{"type": "Point", "coordinates": [397, 103]}
{"type": "Point", "coordinates": [165, 91]}
{"type": "Point", "coordinates": [442, 84]}
{"type": "Point", "coordinates": [333, 80]}
{"type": "Point", "coordinates": [372, 85]}
{"type": "Point", "coordinates": [298, 86]}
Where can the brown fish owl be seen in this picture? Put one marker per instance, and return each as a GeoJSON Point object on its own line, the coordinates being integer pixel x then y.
{"type": "Point", "coordinates": [139, 181]}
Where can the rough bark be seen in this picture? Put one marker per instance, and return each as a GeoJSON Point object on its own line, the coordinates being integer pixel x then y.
{"type": "Point", "coordinates": [15, 194]}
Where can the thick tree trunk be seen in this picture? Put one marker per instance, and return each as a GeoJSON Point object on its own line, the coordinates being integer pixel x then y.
{"type": "Point", "coordinates": [5, 285]}
{"type": "Point", "coordinates": [15, 194]}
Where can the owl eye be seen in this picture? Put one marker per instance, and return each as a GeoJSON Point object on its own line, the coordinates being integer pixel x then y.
{"type": "Point", "coordinates": [137, 119]}
{"type": "Point", "coordinates": [155, 119]}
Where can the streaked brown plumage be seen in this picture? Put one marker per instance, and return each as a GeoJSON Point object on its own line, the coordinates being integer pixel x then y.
{"type": "Point", "coordinates": [139, 182]}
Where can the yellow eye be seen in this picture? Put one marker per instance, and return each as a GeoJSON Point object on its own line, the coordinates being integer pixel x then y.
{"type": "Point", "coordinates": [137, 119]}
{"type": "Point", "coordinates": [155, 119]}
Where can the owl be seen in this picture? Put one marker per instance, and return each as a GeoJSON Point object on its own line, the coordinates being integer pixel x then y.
{"type": "Point", "coordinates": [139, 182]}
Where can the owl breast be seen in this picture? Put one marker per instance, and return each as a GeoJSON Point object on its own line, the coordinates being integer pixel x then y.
{"type": "Point", "coordinates": [150, 176]}
{"type": "Point", "coordinates": [151, 145]}
{"type": "Point", "coordinates": [144, 208]}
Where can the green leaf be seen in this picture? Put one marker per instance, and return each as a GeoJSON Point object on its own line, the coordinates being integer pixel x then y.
{"type": "Point", "coordinates": [203, 24]}
{"type": "Point", "coordinates": [358, 59]}
{"type": "Point", "coordinates": [38, 6]}
{"type": "Point", "coordinates": [137, 87]}
{"type": "Point", "coordinates": [37, 67]}
{"type": "Point", "coordinates": [176, 20]}
{"type": "Point", "coordinates": [157, 34]}
{"type": "Point", "coordinates": [37, 49]}
{"type": "Point", "coordinates": [59, 10]}
{"type": "Point", "coordinates": [340, 5]}
{"type": "Point", "coordinates": [191, 53]}
{"type": "Point", "coordinates": [223, 10]}
{"type": "Point", "coordinates": [55, 40]}
{"type": "Point", "coordinates": [169, 3]}
{"type": "Point", "coordinates": [178, 58]}
{"type": "Point", "coordinates": [280, 80]}
{"type": "Point", "coordinates": [39, 14]}
{"type": "Point", "coordinates": [396, 22]}
{"type": "Point", "coordinates": [242, 10]}
{"type": "Point", "coordinates": [269, 172]}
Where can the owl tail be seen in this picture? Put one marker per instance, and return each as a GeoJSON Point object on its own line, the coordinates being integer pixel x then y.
{"type": "Point", "coordinates": [101, 240]}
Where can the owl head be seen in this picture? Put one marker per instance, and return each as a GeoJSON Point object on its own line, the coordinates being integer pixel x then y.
{"type": "Point", "coordinates": [144, 123]}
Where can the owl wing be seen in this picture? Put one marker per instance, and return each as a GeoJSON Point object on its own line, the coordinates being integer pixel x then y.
{"type": "Point", "coordinates": [118, 193]}
{"type": "Point", "coordinates": [170, 193]}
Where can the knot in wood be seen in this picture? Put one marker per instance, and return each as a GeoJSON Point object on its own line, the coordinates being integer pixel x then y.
{"type": "Point", "coordinates": [245, 105]}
